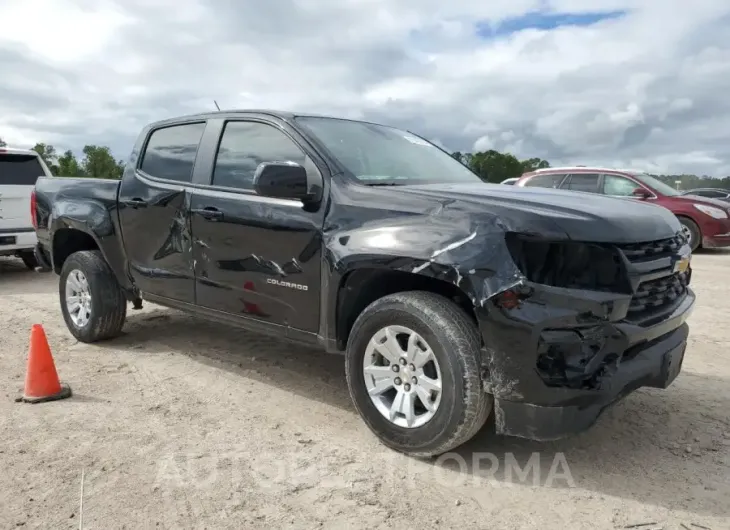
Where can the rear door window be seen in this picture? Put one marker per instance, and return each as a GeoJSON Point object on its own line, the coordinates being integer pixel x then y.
{"type": "Point", "coordinates": [549, 180]}
{"type": "Point", "coordinates": [21, 170]}
{"type": "Point", "coordinates": [170, 152]}
{"type": "Point", "coordinates": [587, 182]}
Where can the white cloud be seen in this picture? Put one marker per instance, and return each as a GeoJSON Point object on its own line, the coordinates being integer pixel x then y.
{"type": "Point", "coordinates": [644, 89]}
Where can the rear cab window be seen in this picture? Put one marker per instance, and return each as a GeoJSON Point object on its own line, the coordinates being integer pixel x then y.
{"type": "Point", "coordinates": [18, 169]}
{"type": "Point", "coordinates": [548, 180]}
{"type": "Point", "coordinates": [170, 152]}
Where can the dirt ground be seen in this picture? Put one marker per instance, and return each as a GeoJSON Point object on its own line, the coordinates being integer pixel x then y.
{"type": "Point", "coordinates": [186, 424]}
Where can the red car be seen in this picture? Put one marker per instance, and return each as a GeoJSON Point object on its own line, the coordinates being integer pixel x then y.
{"type": "Point", "coordinates": [706, 221]}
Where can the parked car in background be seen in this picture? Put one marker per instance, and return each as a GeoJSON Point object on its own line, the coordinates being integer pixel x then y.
{"type": "Point", "coordinates": [710, 193]}
{"type": "Point", "coordinates": [510, 181]}
{"type": "Point", "coordinates": [19, 170]}
{"type": "Point", "coordinates": [705, 221]}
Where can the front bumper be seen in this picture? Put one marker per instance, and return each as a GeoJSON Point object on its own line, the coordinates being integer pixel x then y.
{"type": "Point", "coordinates": [625, 356]}
{"type": "Point", "coordinates": [715, 233]}
{"type": "Point", "coordinates": [716, 241]}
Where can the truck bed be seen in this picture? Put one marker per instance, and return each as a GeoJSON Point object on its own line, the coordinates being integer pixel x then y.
{"type": "Point", "coordinates": [72, 195]}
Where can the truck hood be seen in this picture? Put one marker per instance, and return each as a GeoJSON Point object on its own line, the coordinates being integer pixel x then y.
{"type": "Point", "coordinates": [581, 216]}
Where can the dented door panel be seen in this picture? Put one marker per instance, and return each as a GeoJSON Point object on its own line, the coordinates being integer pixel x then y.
{"type": "Point", "coordinates": [261, 258]}
{"type": "Point", "coordinates": [155, 222]}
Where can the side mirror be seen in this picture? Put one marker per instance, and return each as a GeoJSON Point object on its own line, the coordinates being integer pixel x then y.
{"type": "Point", "coordinates": [641, 193]}
{"type": "Point", "coordinates": [284, 180]}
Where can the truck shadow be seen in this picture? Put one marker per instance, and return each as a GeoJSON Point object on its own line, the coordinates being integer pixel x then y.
{"type": "Point", "coordinates": [650, 448]}
{"type": "Point", "coordinates": [16, 279]}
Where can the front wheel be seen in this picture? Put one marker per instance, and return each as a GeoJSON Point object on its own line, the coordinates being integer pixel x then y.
{"type": "Point", "coordinates": [413, 370]}
{"type": "Point", "coordinates": [93, 304]}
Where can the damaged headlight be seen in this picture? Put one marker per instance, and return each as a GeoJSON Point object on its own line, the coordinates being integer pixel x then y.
{"type": "Point", "coordinates": [568, 264]}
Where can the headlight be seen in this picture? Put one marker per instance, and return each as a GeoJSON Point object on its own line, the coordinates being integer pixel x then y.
{"type": "Point", "coordinates": [717, 213]}
{"type": "Point", "coordinates": [568, 264]}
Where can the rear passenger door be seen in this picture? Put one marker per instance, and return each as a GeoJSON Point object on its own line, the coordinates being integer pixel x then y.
{"type": "Point", "coordinates": [154, 200]}
{"type": "Point", "coordinates": [256, 257]}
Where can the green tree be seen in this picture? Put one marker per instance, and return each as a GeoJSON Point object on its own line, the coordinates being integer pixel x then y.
{"type": "Point", "coordinates": [48, 153]}
{"type": "Point", "coordinates": [99, 163]}
{"type": "Point", "coordinates": [68, 166]}
{"type": "Point", "coordinates": [493, 166]}
{"type": "Point", "coordinates": [120, 168]}
{"type": "Point", "coordinates": [531, 164]}
{"type": "Point", "coordinates": [3, 143]}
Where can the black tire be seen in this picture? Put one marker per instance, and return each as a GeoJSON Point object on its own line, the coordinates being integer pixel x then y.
{"type": "Point", "coordinates": [108, 304]}
{"type": "Point", "coordinates": [694, 231]}
{"type": "Point", "coordinates": [454, 339]}
{"type": "Point", "coordinates": [28, 259]}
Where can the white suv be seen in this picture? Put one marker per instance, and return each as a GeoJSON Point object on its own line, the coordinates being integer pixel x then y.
{"type": "Point", "coordinates": [19, 169]}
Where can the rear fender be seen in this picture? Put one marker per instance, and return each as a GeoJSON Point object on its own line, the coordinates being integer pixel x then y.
{"type": "Point", "coordinates": [94, 219]}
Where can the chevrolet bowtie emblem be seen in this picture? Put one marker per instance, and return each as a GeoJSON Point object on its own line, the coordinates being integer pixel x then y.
{"type": "Point", "coordinates": [682, 264]}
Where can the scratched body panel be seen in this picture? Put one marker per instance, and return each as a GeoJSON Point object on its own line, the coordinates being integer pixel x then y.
{"type": "Point", "coordinates": [252, 243]}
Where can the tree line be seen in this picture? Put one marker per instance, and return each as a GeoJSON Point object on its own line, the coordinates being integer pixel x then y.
{"type": "Point", "coordinates": [491, 166]}
{"type": "Point", "coordinates": [96, 161]}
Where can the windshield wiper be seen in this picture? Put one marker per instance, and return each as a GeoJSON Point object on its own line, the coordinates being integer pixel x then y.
{"type": "Point", "coordinates": [384, 183]}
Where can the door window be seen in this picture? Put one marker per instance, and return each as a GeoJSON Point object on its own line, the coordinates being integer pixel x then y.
{"type": "Point", "coordinates": [711, 193]}
{"type": "Point", "coordinates": [621, 186]}
{"type": "Point", "coordinates": [550, 180]}
{"type": "Point", "coordinates": [582, 182]}
{"type": "Point", "coordinates": [246, 144]}
{"type": "Point", "coordinates": [170, 152]}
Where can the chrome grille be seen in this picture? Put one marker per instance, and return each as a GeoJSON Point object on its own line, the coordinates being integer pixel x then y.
{"type": "Point", "coordinates": [654, 295]}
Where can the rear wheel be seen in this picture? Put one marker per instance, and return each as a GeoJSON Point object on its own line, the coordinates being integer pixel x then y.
{"type": "Point", "coordinates": [692, 232]}
{"type": "Point", "coordinates": [413, 370]}
{"type": "Point", "coordinates": [28, 259]}
{"type": "Point", "coordinates": [93, 304]}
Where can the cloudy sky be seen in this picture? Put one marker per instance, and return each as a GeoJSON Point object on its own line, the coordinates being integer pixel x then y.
{"type": "Point", "coordinates": [640, 83]}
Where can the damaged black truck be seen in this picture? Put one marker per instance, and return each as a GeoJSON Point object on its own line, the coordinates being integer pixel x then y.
{"type": "Point", "coordinates": [451, 299]}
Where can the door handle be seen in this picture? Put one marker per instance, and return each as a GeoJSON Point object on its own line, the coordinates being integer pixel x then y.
{"type": "Point", "coordinates": [136, 203]}
{"type": "Point", "coordinates": [210, 213]}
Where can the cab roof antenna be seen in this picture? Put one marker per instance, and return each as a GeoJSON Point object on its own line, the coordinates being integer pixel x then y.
{"type": "Point", "coordinates": [216, 105]}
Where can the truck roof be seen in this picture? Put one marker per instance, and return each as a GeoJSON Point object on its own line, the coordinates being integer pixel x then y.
{"type": "Point", "coordinates": [587, 168]}
{"type": "Point", "coordinates": [17, 151]}
{"type": "Point", "coordinates": [281, 114]}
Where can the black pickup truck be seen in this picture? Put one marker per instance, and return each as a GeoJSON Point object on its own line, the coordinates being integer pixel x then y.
{"type": "Point", "coordinates": [450, 298]}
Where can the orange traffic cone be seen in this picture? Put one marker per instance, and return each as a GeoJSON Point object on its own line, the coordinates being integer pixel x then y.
{"type": "Point", "coordinates": [41, 379]}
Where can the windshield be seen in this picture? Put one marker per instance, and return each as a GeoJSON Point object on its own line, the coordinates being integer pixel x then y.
{"type": "Point", "coordinates": [380, 155]}
{"type": "Point", "coordinates": [656, 184]}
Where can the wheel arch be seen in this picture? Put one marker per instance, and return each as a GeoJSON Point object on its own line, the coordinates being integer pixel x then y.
{"type": "Point", "coordinates": [66, 241]}
{"type": "Point", "coordinates": [361, 287]}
